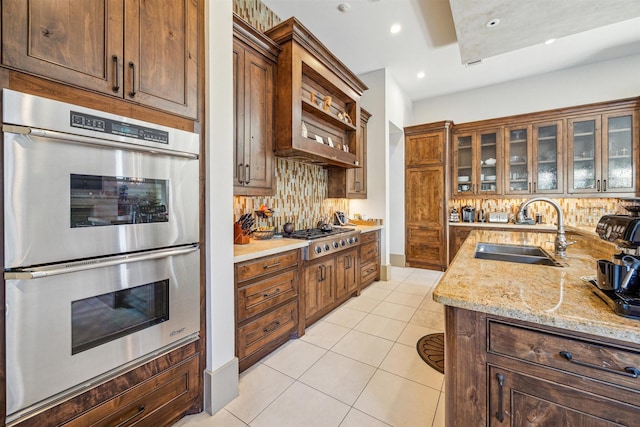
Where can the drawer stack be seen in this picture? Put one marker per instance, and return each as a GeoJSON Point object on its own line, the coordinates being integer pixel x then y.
{"type": "Point", "coordinates": [266, 304]}
{"type": "Point", "coordinates": [369, 258]}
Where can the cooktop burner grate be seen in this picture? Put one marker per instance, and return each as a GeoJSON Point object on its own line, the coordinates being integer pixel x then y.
{"type": "Point", "coordinates": [315, 233]}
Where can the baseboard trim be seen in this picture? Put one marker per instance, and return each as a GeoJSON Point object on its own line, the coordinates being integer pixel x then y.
{"type": "Point", "coordinates": [220, 386]}
{"type": "Point", "coordinates": [385, 272]}
{"type": "Point", "coordinates": [397, 260]}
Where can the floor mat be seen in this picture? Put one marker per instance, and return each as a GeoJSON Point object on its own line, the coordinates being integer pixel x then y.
{"type": "Point", "coordinates": [431, 350]}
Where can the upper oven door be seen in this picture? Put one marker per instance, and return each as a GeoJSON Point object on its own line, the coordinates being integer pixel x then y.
{"type": "Point", "coordinates": [67, 199]}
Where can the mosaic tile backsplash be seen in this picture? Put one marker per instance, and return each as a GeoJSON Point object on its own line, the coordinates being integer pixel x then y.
{"type": "Point", "coordinates": [578, 212]}
{"type": "Point", "coordinates": [300, 197]}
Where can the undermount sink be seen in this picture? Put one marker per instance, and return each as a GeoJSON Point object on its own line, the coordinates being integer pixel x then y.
{"type": "Point", "coordinates": [522, 254]}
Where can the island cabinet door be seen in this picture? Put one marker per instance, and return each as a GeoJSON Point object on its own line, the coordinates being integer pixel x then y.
{"type": "Point", "coordinates": [521, 400]}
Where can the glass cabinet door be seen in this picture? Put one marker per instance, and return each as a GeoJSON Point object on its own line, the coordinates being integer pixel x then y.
{"type": "Point", "coordinates": [517, 154]}
{"type": "Point", "coordinates": [584, 142]}
{"type": "Point", "coordinates": [547, 152]}
{"type": "Point", "coordinates": [618, 154]}
{"type": "Point", "coordinates": [489, 149]}
{"type": "Point", "coordinates": [464, 165]}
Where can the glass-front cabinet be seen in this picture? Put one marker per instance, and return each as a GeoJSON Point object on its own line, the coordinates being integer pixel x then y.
{"type": "Point", "coordinates": [533, 158]}
{"type": "Point", "coordinates": [477, 165]}
{"type": "Point", "coordinates": [601, 153]}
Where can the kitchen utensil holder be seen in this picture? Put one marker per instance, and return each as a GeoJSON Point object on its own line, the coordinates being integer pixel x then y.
{"type": "Point", "coordinates": [239, 238]}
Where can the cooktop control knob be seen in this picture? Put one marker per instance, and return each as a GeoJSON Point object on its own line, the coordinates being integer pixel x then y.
{"type": "Point", "coordinates": [342, 243]}
{"type": "Point", "coordinates": [326, 247]}
{"type": "Point", "coordinates": [317, 249]}
{"type": "Point", "coordinates": [355, 239]}
{"type": "Point", "coordinates": [334, 244]}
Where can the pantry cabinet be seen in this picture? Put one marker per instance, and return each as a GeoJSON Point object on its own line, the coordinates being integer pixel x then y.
{"type": "Point", "coordinates": [254, 66]}
{"type": "Point", "coordinates": [146, 52]}
{"type": "Point", "coordinates": [426, 183]}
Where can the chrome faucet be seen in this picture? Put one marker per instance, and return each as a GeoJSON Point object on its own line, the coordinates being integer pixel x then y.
{"type": "Point", "coordinates": [561, 241]}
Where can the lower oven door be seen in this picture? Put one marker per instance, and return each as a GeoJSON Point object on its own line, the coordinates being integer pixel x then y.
{"type": "Point", "coordinates": [72, 326]}
{"type": "Point", "coordinates": [67, 197]}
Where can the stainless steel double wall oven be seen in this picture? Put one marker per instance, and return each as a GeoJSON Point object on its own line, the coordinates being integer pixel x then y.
{"type": "Point", "coordinates": [101, 226]}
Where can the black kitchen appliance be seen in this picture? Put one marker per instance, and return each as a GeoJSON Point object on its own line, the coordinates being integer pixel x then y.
{"type": "Point", "coordinates": [468, 214]}
{"type": "Point", "coordinates": [618, 281]}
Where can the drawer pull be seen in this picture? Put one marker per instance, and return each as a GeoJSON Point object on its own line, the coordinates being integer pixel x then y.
{"type": "Point", "coordinates": [137, 414]}
{"type": "Point", "coordinates": [276, 292]}
{"type": "Point", "coordinates": [275, 264]}
{"type": "Point", "coordinates": [500, 413]}
{"type": "Point", "coordinates": [629, 371]}
{"type": "Point", "coordinates": [272, 327]}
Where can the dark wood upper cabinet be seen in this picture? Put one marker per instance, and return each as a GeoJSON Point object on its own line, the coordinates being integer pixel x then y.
{"type": "Point", "coordinates": [141, 51]}
{"type": "Point", "coordinates": [254, 67]}
{"type": "Point", "coordinates": [352, 183]}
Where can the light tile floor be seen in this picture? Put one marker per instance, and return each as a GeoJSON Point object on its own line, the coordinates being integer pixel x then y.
{"type": "Point", "coordinates": [356, 367]}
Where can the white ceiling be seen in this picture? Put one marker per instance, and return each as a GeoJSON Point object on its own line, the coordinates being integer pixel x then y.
{"type": "Point", "coordinates": [428, 42]}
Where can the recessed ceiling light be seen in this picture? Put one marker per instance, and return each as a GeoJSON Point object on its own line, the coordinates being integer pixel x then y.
{"type": "Point", "coordinates": [421, 75]}
{"type": "Point", "coordinates": [493, 23]}
{"type": "Point", "coordinates": [344, 7]}
{"type": "Point", "coordinates": [395, 28]}
{"type": "Point", "coordinates": [550, 41]}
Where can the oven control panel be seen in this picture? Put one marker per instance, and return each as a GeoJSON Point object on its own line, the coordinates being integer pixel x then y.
{"type": "Point", "coordinates": [105, 125]}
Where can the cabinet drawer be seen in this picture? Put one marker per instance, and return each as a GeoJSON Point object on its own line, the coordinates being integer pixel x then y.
{"type": "Point", "coordinates": [369, 251]}
{"type": "Point", "coordinates": [256, 268]}
{"type": "Point", "coordinates": [605, 363]}
{"type": "Point", "coordinates": [270, 327]}
{"type": "Point", "coordinates": [261, 296]}
{"type": "Point", "coordinates": [368, 272]}
{"type": "Point", "coordinates": [160, 398]}
{"type": "Point", "coordinates": [371, 236]}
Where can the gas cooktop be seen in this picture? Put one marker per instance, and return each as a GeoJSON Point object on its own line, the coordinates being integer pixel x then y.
{"type": "Point", "coordinates": [325, 242]}
{"type": "Point", "coordinates": [316, 233]}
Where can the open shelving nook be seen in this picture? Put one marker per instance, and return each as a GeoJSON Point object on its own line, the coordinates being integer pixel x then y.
{"type": "Point", "coordinates": [315, 89]}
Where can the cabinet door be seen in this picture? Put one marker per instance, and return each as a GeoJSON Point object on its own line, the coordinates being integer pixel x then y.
{"type": "Point", "coordinates": [72, 41]}
{"type": "Point", "coordinates": [258, 123]}
{"type": "Point", "coordinates": [584, 155]}
{"type": "Point", "coordinates": [521, 400]}
{"type": "Point", "coordinates": [464, 165]}
{"type": "Point", "coordinates": [427, 149]}
{"type": "Point", "coordinates": [547, 158]}
{"type": "Point", "coordinates": [319, 282]}
{"type": "Point", "coordinates": [346, 273]}
{"type": "Point", "coordinates": [161, 54]}
{"type": "Point", "coordinates": [489, 152]}
{"type": "Point", "coordinates": [357, 177]}
{"type": "Point", "coordinates": [619, 151]}
{"type": "Point", "coordinates": [518, 160]}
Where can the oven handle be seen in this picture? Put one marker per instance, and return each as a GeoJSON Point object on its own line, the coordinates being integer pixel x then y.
{"type": "Point", "coordinates": [72, 267]}
{"type": "Point", "coordinates": [77, 139]}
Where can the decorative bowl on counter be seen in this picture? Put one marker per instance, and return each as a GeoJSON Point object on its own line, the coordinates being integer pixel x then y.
{"type": "Point", "coordinates": [263, 234]}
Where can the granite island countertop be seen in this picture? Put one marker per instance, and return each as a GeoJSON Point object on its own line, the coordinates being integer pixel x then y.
{"type": "Point", "coordinates": [260, 248]}
{"type": "Point", "coordinates": [552, 296]}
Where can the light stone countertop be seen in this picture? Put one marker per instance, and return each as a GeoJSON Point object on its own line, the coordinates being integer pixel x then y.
{"type": "Point", "coordinates": [260, 248]}
{"type": "Point", "coordinates": [552, 296]}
